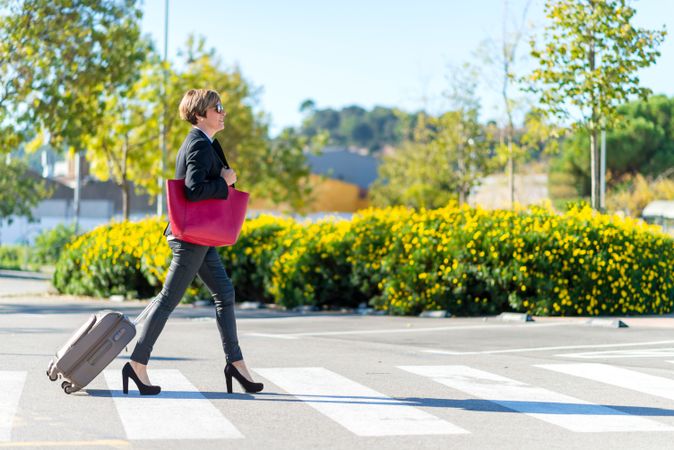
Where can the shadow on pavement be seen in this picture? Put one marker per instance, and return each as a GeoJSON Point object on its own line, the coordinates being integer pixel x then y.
{"type": "Point", "coordinates": [163, 358]}
{"type": "Point", "coordinates": [18, 308]}
{"type": "Point", "coordinates": [33, 330]}
{"type": "Point", "coordinates": [503, 406]}
{"type": "Point", "coordinates": [134, 310]}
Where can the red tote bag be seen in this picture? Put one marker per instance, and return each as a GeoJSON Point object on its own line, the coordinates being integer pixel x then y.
{"type": "Point", "coordinates": [213, 222]}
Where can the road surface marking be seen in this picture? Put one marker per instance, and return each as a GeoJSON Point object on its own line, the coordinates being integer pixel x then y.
{"type": "Point", "coordinates": [617, 376]}
{"type": "Point", "coordinates": [68, 444]}
{"type": "Point", "coordinates": [664, 352]}
{"type": "Point", "coordinates": [549, 406]}
{"type": "Point", "coordinates": [361, 410]}
{"type": "Point", "coordinates": [179, 412]}
{"type": "Point", "coordinates": [11, 386]}
{"type": "Point", "coordinates": [276, 336]}
{"type": "Point", "coordinates": [408, 330]}
{"type": "Point", "coordinates": [541, 349]}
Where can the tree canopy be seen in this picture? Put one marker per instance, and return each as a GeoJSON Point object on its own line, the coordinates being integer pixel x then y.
{"type": "Point", "coordinates": [642, 142]}
{"type": "Point", "coordinates": [60, 57]}
{"type": "Point", "coordinates": [19, 192]}
{"type": "Point", "coordinates": [125, 146]}
{"type": "Point", "coordinates": [588, 62]}
{"type": "Point", "coordinates": [354, 126]}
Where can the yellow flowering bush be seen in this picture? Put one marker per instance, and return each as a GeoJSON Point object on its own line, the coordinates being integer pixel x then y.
{"type": "Point", "coordinates": [436, 261]}
{"type": "Point", "coordinates": [312, 268]}
{"type": "Point", "coordinates": [585, 263]}
{"type": "Point", "coordinates": [372, 235]}
{"type": "Point", "coordinates": [472, 261]}
{"type": "Point", "coordinates": [466, 260]}
{"type": "Point", "coordinates": [127, 258]}
{"type": "Point", "coordinates": [249, 261]}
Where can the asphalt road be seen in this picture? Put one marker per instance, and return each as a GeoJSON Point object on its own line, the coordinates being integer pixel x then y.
{"type": "Point", "coordinates": [346, 381]}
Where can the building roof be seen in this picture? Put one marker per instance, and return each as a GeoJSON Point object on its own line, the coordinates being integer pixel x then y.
{"type": "Point", "coordinates": [345, 165]}
{"type": "Point", "coordinates": [659, 208]}
{"type": "Point", "coordinates": [92, 189]}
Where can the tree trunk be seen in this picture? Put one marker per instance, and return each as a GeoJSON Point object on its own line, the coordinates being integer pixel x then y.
{"type": "Point", "coordinates": [461, 164]}
{"type": "Point", "coordinates": [125, 200]}
{"type": "Point", "coordinates": [594, 154]}
{"type": "Point", "coordinates": [594, 167]}
{"type": "Point", "coordinates": [125, 183]}
{"type": "Point", "coordinates": [78, 188]}
{"type": "Point", "coordinates": [511, 172]}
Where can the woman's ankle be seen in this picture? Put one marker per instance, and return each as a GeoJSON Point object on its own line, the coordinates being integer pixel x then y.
{"type": "Point", "coordinates": [240, 364]}
{"type": "Point", "coordinates": [136, 365]}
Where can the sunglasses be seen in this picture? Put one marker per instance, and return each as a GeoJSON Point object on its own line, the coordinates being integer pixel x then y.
{"type": "Point", "coordinates": [219, 108]}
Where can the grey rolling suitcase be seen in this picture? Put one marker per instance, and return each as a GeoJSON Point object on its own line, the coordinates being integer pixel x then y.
{"type": "Point", "coordinates": [92, 347]}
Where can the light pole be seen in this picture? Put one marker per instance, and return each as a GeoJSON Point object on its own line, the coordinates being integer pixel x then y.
{"type": "Point", "coordinates": [160, 196]}
{"type": "Point", "coordinates": [78, 189]}
{"type": "Point", "coordinates": [602, 170]}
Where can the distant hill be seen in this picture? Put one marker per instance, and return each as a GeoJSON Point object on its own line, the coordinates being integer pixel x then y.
{"type": "Point", "coordinates": [357, 128]}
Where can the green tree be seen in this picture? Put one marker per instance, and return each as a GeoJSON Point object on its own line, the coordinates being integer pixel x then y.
{"type": "Point", "coordinates": [290, 185]}
{"type": "Point", "coordinates": [59, 58]}
{"type": "Point", "coordinates": [642, 142]}
{"type": "Point", "coordinates": [275, 169]}
{"type": "Point", "coordinates": [20, 192]}
{"type": "Point", "coordinates": [354, 126]}
{"type": "Point", "coordinates": [588, 64]}
{"type": "Point", "coordinates": [419, 173]}
{"type": "Point", "coordinates": [460, 133]}
{"type": "Point", "coordinates": [308, 105]}
{"type": "Point", "coordinates": [446, 158]}
{"type": "Point", "coordinates": [502, 56]}
{"type": "Point", "coordinates": [322, 120]}
{"type": "Point", "coordinates": [123, 146]}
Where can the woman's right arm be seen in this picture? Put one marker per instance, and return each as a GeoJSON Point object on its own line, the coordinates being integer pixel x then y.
{"type": "Point", "coordinates": [197, 186]}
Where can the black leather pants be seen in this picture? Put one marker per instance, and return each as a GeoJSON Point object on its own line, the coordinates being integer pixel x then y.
{"type": "Point", "coordinates": [190, 260]}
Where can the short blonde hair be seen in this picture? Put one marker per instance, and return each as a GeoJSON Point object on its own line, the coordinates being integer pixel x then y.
{"type": "Point", "coordinates": [195, 102]}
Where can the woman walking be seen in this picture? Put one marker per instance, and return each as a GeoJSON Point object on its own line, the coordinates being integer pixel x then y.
{"type": "Point", "coordinates": [202, 163]}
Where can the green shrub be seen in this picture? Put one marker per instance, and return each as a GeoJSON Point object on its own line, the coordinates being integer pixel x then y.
{"type": "Point", "coordinates": [14, 257]}
{"type": "Point", "coordinates": [49, 244]}
{"type": "Point", "coordinates": [465, 260]}
{"type": "Point", "coordinates": [371, 236]}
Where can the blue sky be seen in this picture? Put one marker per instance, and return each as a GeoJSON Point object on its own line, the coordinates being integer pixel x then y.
{"type": "Point", "coordinates": [364, 52]}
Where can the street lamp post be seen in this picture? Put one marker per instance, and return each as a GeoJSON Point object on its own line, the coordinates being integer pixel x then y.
{"type": "Point", "coordinates": [160, 196]}
{"type": "Point", "coordinates": [602, 170]}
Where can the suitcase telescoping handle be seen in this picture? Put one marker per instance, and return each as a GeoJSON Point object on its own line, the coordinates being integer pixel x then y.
{"type": "Point", "coordinates": [143, 313]}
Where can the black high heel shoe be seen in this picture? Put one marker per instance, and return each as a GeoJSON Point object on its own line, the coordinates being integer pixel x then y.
{"type": "Point", "coordinates": [144, 389]}
{"type": "Point", "coordinates": [248, 386]}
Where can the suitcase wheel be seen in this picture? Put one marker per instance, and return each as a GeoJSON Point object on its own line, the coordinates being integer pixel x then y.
{"type": "Point", "coordinates": [68, 388]}
{"type": "Point", "coordinates": [51, 373]}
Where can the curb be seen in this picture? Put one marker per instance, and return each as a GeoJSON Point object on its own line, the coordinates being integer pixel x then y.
{"type": "Point", "coordinates": [25, 275]}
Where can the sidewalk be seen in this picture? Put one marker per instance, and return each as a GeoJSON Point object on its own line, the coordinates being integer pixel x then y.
{"type": "Point", "coordinates": [17, 283]}
{"type": "Point", "coordinates": [34, 286]}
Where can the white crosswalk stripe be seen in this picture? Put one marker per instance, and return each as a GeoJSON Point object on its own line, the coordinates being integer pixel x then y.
{"type": "Point", "coordinates": [562, 410]}
{"type": "Point", "coordinates": [617, 376]}
{"type": "Point", "coordinates": [356, 407]}
{"type": "Point", "coordinates": [163, 416]}
{"type": "Point", "coordinates": [11, 383]}
{"type": "Point", "coordinates": [361, 410]}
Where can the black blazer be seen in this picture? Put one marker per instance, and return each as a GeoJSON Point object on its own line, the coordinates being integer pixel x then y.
{"type": "Point", "coordinates": [199, 162]}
